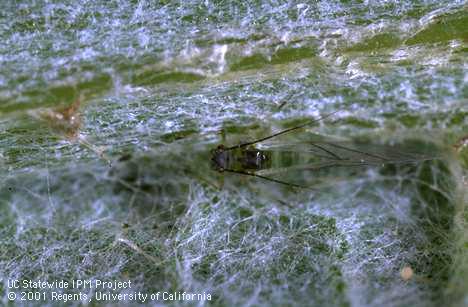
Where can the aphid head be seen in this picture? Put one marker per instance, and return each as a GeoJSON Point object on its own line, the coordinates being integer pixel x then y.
{"type": "Point", "coordinates": [220, 158]}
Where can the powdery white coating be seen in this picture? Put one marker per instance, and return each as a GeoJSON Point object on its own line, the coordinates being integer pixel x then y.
{"type": "Point", "coordinates": [160, 82]}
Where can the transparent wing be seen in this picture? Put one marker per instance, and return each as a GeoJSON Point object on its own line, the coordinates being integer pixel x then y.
{"type": "Point", "coordinates": [322, 162]}
{"type": "Point", "coordinates": [358, 152]}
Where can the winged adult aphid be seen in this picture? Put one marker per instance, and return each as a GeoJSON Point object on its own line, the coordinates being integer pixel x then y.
{"type": "Point", "coordinates": [312, 156]}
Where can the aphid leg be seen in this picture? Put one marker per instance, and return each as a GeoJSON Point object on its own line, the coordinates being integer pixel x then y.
{"type": "Point", "coordinates": [207, 181]}
{"type": "Point", "coordinates": [282, 104]}
{"type": "Point", "coordinates": [267, 178]}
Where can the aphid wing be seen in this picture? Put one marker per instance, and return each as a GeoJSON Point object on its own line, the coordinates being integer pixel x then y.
{"type": "Point", "coordinates": [326, 163]}
{"type": "Point", "coordinates": [373, 154]}
{"type": "Point", "coordinates": [309, 167]}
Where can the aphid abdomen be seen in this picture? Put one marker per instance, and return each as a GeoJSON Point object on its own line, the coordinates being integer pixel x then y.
{"type": "Point", "coordinates": [253, 159]}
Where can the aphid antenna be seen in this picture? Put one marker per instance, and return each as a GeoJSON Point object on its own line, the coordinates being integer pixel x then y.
{"type": "Point", "coordinates": [280, 133]}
